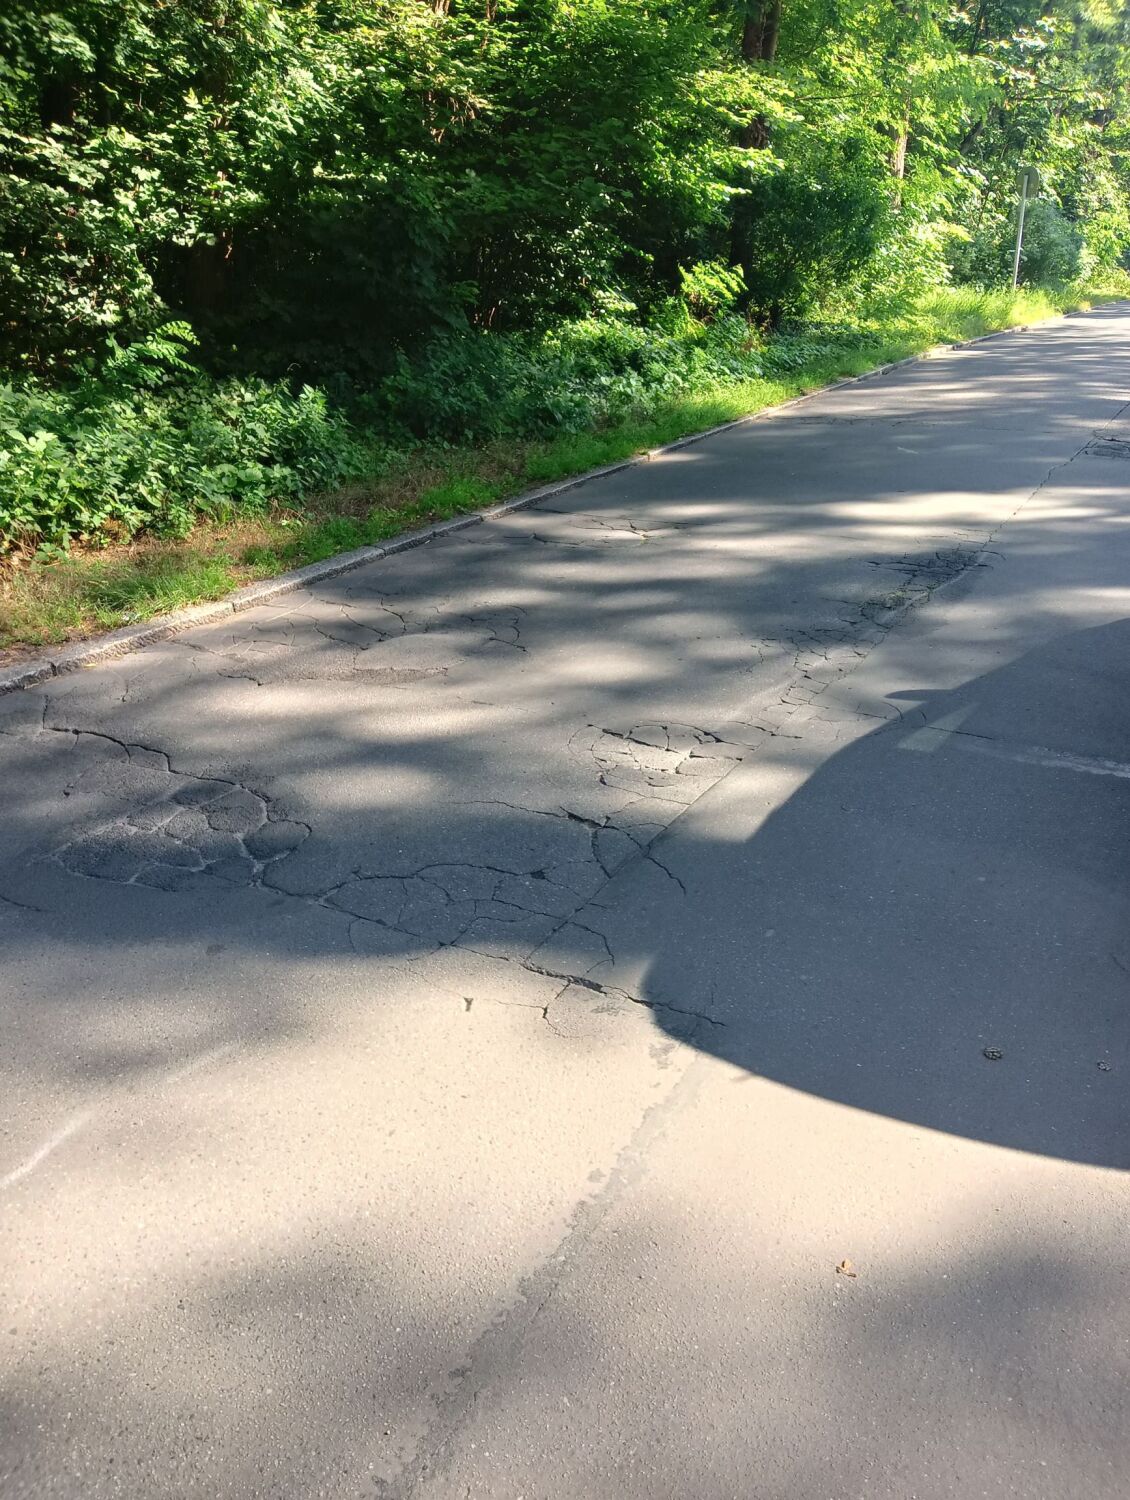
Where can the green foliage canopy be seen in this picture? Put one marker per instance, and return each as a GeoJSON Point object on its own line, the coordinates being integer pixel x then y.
{"type": "Point", "coordinates": [318, 185]}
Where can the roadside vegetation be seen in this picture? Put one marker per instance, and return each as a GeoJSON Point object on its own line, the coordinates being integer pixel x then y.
{"type": "Point", "coordinates": [278, 281]}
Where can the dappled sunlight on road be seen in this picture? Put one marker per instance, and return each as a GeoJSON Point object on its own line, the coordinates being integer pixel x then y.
{"type": "Point", "coordinates": [405, 981]}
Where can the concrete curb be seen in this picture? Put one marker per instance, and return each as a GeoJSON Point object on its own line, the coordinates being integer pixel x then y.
{"type": "Point", "coordinates": [135, 637]}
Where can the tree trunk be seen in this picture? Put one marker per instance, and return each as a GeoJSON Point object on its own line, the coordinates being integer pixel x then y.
{"type": "Point", "coordinates": [900, 140]}
{"type": "Point", "coordinates": [760, 31]}
{"type": "Point", "coordinates": [898, 151]}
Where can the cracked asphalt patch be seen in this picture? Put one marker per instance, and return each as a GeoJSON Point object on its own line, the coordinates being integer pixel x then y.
{"type": "Point", "coordinates": [380, 965]}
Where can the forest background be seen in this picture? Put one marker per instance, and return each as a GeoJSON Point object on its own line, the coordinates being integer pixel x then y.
{"type": "Point", "coordinates": [281, 279]}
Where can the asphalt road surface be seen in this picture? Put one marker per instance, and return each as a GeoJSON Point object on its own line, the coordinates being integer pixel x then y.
{"type": "Point", "coordinates": [627, 1002]}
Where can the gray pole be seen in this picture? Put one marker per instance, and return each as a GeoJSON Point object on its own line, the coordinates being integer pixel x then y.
{"type": "Point", "coordinates": [1020, 228]}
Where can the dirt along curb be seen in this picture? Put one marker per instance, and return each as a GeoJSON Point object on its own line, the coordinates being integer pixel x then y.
{"type": "Point", "coordinates": [130, 638]}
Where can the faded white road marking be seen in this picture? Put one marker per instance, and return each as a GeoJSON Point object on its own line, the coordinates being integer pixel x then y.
{"type": "Point", "coordinates": [195, 1064]}
{"type": "Point", "coordinates": [76, 1122]}
{"type": "Point", "coordinates": [63, 1134]}
{"type": "Point", "coordinates": [947, 731]}
{"type": "Point", "coordinates": [1056, 760]}
{"type": "Point", "coordinates": [934, 736]}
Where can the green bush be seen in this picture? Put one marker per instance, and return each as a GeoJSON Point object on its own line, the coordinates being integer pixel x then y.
{"type": "Point", "coordinates": [585, 373]}
{"type": "Point", "coordinates": [1052, 252]}
{"type": "Point", "coordinates": [809, 228]}
{"type": "Point", "coordinates": [91, 461]}
{"type": "Point", "coordinates": [1051, 256]}
{"type": "Point", "coordinates": [152, 443]}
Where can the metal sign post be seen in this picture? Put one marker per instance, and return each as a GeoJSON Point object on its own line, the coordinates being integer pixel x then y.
{"type": "Point", "coordinates": [1028, 182]}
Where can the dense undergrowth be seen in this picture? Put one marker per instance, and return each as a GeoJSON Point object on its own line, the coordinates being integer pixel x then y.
{"type": "Point", "coordinates": [153, 486]}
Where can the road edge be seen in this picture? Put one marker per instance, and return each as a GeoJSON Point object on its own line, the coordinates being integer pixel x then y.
{"type": "Point", "coordinates": [131, 638]}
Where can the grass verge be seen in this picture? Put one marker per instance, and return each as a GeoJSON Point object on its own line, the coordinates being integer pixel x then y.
{"type": "Point", "coordinates": [68, 598]}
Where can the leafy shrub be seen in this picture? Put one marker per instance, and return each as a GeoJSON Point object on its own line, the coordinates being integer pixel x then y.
{"type": "Point", "coordinates": [809, 228]}
{"type": "Point", "coordinates": [91, 461]}
{"type": "Point", "coordinates": [152, 443]}
{"type": "Point", "coordinates": [1052, 253]}
{"type": "Point", "coordinates": [711, 288]}
{"type": "Point", "coordinates": [584, 373]}
{"type": "Point", "coordinates": [1053, 247]}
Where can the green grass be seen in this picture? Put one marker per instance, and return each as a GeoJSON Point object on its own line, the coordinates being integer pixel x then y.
{"type": "Point", "coordinates": [45, 603]}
